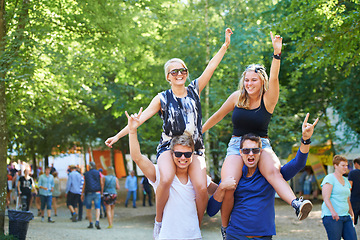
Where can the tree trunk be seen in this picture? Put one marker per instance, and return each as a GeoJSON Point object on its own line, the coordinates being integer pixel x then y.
{"type": "Point", "coordinates": [3, 124]}
{"type": "Point", "coordinates": [34, 167]}
{"type": "Point", "coordinates": [209, 164]}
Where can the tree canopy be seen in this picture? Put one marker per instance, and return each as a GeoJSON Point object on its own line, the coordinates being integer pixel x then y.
{"type": "Point", "coordinates": [69, 69]}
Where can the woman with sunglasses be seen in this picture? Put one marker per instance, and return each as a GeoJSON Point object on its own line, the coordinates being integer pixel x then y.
{"type": "Point", "coordinates": [252, 106]}
{"type": "Point", "coordinates": [180, 111]}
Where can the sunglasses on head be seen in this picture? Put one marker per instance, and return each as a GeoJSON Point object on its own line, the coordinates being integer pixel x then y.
{"type": "Point", "coordinates": [248, 150]}
{"type": "Point", "coordinates": [186, 154]}
{"type": "Point", "coordinates": [175, 72]}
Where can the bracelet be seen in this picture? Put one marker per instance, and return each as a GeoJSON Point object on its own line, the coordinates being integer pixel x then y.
{"type": "Point", "coordinates": [305, 142]}
{"type": "Point", "coordinates": [225, 45]}
{"type": "Point", "coordinates": [277, 56]}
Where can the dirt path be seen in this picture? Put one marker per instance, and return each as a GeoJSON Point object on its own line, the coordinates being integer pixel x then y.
{"type": "Point", "coordinates": [130, 223]}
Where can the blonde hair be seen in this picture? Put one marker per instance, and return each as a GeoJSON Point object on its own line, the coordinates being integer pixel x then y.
{"type": "Point", "coordinates": [243, 101]}
{"type": "Point", "coordinates": [338, 158]}
{"type": "Point", "coordinates": [110, 171]}
{"type": "Point", "coordinates": [168, 63]}
{"type": "Point", "coordinates": [183, 140]}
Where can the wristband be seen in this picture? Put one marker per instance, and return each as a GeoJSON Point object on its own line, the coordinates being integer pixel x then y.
{"type": "Point", "coordinates": [277, 56]}
{"type": "Point", "coordinates": [305, 142]}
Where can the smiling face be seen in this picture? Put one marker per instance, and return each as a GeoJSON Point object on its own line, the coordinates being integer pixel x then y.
{"type": "Point", "coordinates": [250, 160]}
{"type": "Point", "coordinates": [252, 83]}
{"type": "Point", "coordinates": [180, 77]}
{"type": "Point", "coordinates": [182, 162]}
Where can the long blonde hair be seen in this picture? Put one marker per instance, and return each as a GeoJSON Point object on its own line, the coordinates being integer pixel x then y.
{"type": "Point", "coordinates": [167, 65]}
{"type": "Point", "coordinates": [243, 101]}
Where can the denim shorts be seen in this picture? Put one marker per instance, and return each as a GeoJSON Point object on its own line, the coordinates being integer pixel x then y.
{"type": "Point", "coordinates": [92, 196]}
{"type": "Point", "coordinates": [234, 145]}
{"type": "Point", "coordinates": [45, 200]}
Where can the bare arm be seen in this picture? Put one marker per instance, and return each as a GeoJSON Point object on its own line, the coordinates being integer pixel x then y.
{"type": "Point", "coordinates": [146, 166]}
{"type": "Point", "coordinates": [227, 107]}
{"type": "Point", "coordinates": [227, 184]}
{"type": "Point", "coordinates": [102, 182]}
{"type": "Point", "coordinates": [214, 62]}
{"type": "Point", "coordinates": [326, 193]}
{"type": "Point", "coordinates": [117, 184]}
{"type": "Point", "coordinates": [150, 111]}
{"type": "Point", "coordinates": [271, 96]}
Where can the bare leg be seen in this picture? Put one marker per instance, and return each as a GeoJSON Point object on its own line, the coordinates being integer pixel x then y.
{"type": "Point", "coordinates": [108, 213]}
{"type": "Point", "coordinates": [197, 173]}
{"type": "Point", "coordinates": [269, 166]}
{"type": "Point", "coordinates": [112, 212]}
{"type": "Point", "coordinates": [97, 214]}
{"type": "Point", "coordinates": [232, 167]}
{"type": "Point", "coordinates": [167, 174]}
{"type": "Point", "coordinates": [54, 205]}
{"type": "Point", "coordinates": [88, 214]}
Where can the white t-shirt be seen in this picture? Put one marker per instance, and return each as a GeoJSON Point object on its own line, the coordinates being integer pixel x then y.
{"type": "Point", "coordinates": [180, 220]}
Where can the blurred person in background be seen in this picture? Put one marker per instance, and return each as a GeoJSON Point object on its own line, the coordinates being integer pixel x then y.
{"type": "Point", "coordinates": [336, 210]}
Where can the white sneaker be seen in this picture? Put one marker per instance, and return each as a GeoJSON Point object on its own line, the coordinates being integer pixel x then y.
{"type": "Point", "coordinates": [302, 207]}
{"type": "Point", "coordinates": [157, 227]}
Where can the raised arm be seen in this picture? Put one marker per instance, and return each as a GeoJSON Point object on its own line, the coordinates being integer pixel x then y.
{"type": "Point", "coordinates": [214, 62]}
{"type": "Point", "coordinates": [146, 166]}
{"type": "Point", "coordinates": [290, 169]}
{"type": "Point", "coordinates": [150, 111]}
{"type": "Point", "coordinates": [271, 96]}
{"type": "Point", "coordinates": [227, 107]}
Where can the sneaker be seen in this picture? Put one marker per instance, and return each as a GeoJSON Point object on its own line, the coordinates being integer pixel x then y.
{"type": "Point", "coordinates": [42, 219]}
{"type": "Point", "coordinates": [39, 213]}
{"type": "Point", "coordinates": [108, 227]}
{"type": "Point", "coordinates": [302, 207]}
{"type": "Point", "coordinates": [74, 217]}
{"type": "Point", "coordinates": [50, 220]}
{"type": "Point", "coordinates": [90, 225]}
{"type": "Point", "coordinates": [97, 225]}
{"type": "Point", "coordinates": [157, 227]}
{"type": "Point", "coordinates": [223, 232]}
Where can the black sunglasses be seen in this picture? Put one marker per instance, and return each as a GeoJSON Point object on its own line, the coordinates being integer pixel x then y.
{"type": "Point", "coordinates": [248, 150]}
{"type": "Point", "coordinates": [186, 154]}
{"type": "Point", "coordinates": [175, 72]}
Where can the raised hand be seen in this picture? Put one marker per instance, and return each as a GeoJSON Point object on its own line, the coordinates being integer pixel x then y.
{"type": "Point", "coordinates": [277, 43]}
{"type": "Point", "coordinates": [308, 128]}
{"type": "Point", "coordinates": [133, 120]}
{"type": "Point", "coordinates": [228, 34]}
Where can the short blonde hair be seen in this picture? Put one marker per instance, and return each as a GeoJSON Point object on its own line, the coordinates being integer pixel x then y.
{"type": "Point", "coordinates": [243, 101]}
{"type": "Point", "coordinates": [183, 140]}
{"type": "Point", "coordinates": [173, 60]}
{"type": "Point", "coordinates": [338, 158]}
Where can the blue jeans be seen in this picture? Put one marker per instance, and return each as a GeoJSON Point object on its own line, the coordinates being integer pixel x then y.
{"type": "Point", "coordinates": [92, 196]}
{"type": "Point", "coordinates": [45, 200]}
{"type": "Point", "coordinates": [133, 193]}
{"type": "Point", "coordinates": [344, 227]}
{"type": "Point", "coordinates": [356, 209]}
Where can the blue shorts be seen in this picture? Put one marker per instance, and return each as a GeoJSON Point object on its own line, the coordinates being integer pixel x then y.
{"type": "Point", "coordinates": [45, 200]}
{"type": "Point", "coordinates": [234, 145]}
{"type": "Point", "coordinates": [92, 196]}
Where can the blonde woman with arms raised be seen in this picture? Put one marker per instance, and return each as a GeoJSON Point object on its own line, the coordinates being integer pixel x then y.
{"type": "Point", "coordinates": [252, 106]}
{"type": "Point", "coordinates": [180, 110]}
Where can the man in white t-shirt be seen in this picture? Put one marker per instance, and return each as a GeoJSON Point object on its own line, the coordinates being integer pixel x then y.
{"type": "Point", "coordinates": [180, 220]}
